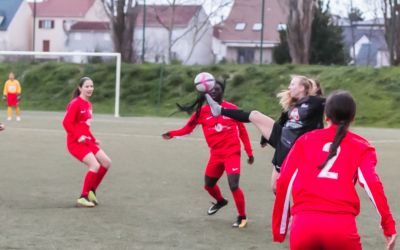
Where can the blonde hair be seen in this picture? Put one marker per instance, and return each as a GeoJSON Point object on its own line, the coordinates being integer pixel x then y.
{"type": "Point", "coordinates": [311, 87]}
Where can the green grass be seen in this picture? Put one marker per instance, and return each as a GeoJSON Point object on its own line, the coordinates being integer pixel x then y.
{"type": "Point", "coordinates": [48, 86]}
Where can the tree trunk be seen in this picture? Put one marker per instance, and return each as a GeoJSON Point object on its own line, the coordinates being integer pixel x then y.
{"type": "Point", "coordinates": [123, 14]}
{"type": "Point", "coordinates": [301, 13]}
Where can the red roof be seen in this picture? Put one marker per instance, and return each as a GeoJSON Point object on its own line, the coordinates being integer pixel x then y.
{"type": "Point", "coordinates": [249, 12]}
{"type": "Point", "coordinates": [97, 26]}
{"type": "Point", "coordinates": [62, 8]}
{"type": "Point", "coordinates": [183, 15]}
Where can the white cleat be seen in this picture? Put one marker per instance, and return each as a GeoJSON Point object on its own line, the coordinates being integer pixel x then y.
{"type": "Point", "coordinates": [215, 107]}
{"type": "Point", "coordinates": [18, 118]}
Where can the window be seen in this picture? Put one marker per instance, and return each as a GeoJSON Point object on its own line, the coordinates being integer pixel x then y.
{"type": "Point", "coordinates": [257, 26]}
{"type": "Point", "coordinates": [107, 37]}
{"type": "Point", "coordinates": [245, 55]}
{"type": "Point", "coordinates": [77, 36]}
{"type": "Point", "coordinates": [46, 24]}
{"type": "Point", "coordinates": [240, 26]}
{"type": "Point", "coordinates": [281, 27]}
{"type": "Point", "coordinates": [1, 19]}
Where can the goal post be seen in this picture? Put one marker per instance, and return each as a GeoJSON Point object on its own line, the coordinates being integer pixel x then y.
{"type": "Point", "coordinates": [117, 57]}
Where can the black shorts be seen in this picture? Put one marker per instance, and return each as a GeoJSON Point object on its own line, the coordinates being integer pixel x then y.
{"type": "Point", "coordinates": [280, 149]}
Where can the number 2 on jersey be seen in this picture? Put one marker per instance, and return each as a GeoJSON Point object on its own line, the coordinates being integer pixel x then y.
{"type": "Point", "coordinates": [325, 171]}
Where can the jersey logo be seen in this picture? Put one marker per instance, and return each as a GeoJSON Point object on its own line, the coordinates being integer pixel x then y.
{"type": "Point", "coordinates": [83, 111]}
{"type": "Point", "coordinates": [294, 114]}
{"type": "Point", "coordinates": [304, 105]}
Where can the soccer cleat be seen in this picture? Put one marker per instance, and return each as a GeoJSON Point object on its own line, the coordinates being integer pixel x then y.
{"type": "Point", "coordinates": [92, 197]}
{"type": "Point", "coordinates": [217, 206]}
{"type": "Point", "coordinates": [214, 106]}
{"type": "Point", "coordinates": [9, 118]}
{"type": "Point", "coordinates": [84, 202]}
{"type": "Point", "coordinates": [241, 222]}
{"type": "Point", "coordinates": [18, 118]}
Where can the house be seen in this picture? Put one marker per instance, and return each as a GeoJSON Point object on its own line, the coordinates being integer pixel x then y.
{"type": "Point", "coordinates": [238, 38]}
{"type": "Point", "coordinates": [365, 41]}
{"type": "Point", "coordinates": [191, 34]}
{"type": "Point", "coordinates": [15, 25]}
{"type": "Point", "coordinates": [54, 18]}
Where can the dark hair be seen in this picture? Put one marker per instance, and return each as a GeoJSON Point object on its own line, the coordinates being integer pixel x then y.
{"type": "Point", "coordinates": [340, 108]}
{"type": "Point", "coordinates": [198, 103]}
{"type": "Point", "coordinates": [76, 91]}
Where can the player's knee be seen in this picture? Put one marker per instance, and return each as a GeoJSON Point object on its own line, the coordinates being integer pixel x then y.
{"type": "Point", "coordinates": [209, 181]}
{"type": "Point", "coordinates": [233, 185]}
{"type": "Point", "coordinates": [107, 163]}
{"type": "Point", "coordinates": [94, 167]}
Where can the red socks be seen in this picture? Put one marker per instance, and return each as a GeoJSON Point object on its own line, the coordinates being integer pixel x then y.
{"type": "Point", "coordinates": [90, 178]}
{"type": "Point", "coordinates": [99, 177]}
{"type": "Point", "coordinates": [238, 196]}
{"type": "Point", "coordinates": [214, 192]}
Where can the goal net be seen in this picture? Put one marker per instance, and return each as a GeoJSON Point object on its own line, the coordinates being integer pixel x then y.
{"type": "Point", "coordinates": [73, 57]}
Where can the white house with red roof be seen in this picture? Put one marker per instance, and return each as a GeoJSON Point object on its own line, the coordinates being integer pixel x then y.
{"type": "Point", "coordinates": [238, 38]}
{"type": "Point", "coordinates": [191, 34]}
{"type": "Point", "coordinates": [53, 18]}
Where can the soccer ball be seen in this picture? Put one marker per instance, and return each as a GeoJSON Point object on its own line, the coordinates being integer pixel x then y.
{"type": "Point", "coordinates": [204, 82]}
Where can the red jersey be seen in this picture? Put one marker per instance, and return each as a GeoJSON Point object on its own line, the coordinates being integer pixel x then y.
{"type": "Point", "coordinates": [330, 190]}
{"type": "Point", "coordinates": [221, 133]}
{"type": "Point", "coordinates": [77, 120]}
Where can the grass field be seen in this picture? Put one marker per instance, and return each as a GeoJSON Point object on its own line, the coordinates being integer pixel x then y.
{"type": "Point", "coordinates": [153, 196]}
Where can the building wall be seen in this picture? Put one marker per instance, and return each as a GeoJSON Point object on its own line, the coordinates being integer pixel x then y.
{"type": "Point", "coordinates": [18, 34]}
{"type": "Point", "coordinates": [97, 13]}
{"type": "Point", "coordinates": [90, 41]}
{"type": "Point", "coordinates": [156, 45]}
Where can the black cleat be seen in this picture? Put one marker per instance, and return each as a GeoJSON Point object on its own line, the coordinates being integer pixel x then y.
{"type": "Point", "coordinates": [217, 206]}
{"type": "Point", "coordinates": [240, 222]}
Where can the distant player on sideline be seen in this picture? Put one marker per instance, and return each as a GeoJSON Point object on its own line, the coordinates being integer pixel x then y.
{"type": "Point", "coordinates": [12, 95]}
{"type": "Point", "coordinates": [320, 171]}
{"type": "Point", "coordinates": [82, 144]}
{"type": "Point", "coordinates": [222, 135]}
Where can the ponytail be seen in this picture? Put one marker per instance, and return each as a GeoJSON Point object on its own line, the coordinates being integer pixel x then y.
{"type": "Point", "coordinates": [341, 132]}
{"type": "Point", "coordinates": [194, 107]}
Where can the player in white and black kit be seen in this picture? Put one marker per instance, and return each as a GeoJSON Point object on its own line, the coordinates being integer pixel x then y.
{"type": "Point", "coordinates": [303, 112]}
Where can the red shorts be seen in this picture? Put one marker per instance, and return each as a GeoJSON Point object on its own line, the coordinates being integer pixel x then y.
{"type": "Point", "coordinates": [313, 230]}
{"type": "Point", "coordinates": [217, 164]}
{"type": "Point", "coordinates": [80, 150]}
{"type": "Point", "coordinates": [12, 100]}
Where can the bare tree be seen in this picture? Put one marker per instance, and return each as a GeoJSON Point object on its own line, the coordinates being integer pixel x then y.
{"type": "Point", "coordinates": [197, 29]}
{"type": "Point", "coordinates": [300, 18]}
{"type": "Point", "coordinates": [391, 9]}
{"type": "Point", "coordinates": [122, 15]}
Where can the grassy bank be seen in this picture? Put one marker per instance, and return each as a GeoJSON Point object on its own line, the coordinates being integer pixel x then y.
{"type": "Point", "coordinates": [153, 90]}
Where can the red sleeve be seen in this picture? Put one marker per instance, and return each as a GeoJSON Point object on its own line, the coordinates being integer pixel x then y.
{"type": "Point", "coordinates": [244, 136]}
{"type": "Point", "coordinates": [69, 120]}
{"type": "Point", "coordinates": [370, 181]}
{"type": "Point", "coordinates": [187, 129]}
{"type": "Point", "coordinates": [281, 211]}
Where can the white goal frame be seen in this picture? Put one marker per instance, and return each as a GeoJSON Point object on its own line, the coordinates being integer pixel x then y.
{"type": "Point", "coordinates": [94, 54]}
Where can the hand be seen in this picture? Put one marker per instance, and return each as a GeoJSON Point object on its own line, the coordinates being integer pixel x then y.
{"type": "Point", "coordinates": [83, 138]}
{"type": "Point", "coordinates": [263, 145]}
{"type": "Point", "coordinates": [2, 126]}
{"type": "Point", "coordinates": [390, 240]}
{"type": "Point", "coordinates": [250, 160]}
{"type": "Point", "coordinates": [97, 142]}
{"type": "Point", "coordinates": [166, 136]}
{"type": "Point", "coordinates": [4, 97]}
{"type": "Point", "coordinates": [18, 97]}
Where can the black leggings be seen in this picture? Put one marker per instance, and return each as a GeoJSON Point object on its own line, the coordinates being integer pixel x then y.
{"type": "Point", "coordinates": [233, 180]}
{"type": "Point", "coordinates": [236, 114]}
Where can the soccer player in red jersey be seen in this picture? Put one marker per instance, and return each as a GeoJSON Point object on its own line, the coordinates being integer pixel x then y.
{"type": "Point", "coordinates": [303, 108]}
{"type": "Point", "coordinates": [82, 144]}
{"type": "Point", "coordinates": [223, 137]}
{"type": "Point", "coordinates": [321, 171]}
